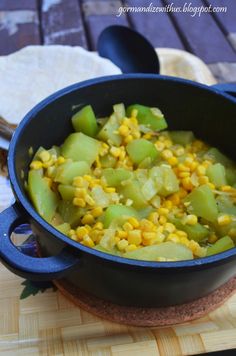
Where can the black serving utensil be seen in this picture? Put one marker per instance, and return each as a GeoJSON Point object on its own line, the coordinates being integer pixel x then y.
{"type": "Point", "coordinates": [128, 49]}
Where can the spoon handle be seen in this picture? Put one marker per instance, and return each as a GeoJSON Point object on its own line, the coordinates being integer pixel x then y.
{"type": "Point", "coordinates": [6, 130]}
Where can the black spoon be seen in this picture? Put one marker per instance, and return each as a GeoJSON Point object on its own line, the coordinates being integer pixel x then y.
{"type": "Point", "coordinates": [128, 49]}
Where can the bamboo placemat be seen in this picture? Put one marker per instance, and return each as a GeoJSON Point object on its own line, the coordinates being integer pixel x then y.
{"type": "Point", "coordinates": [49, 324]}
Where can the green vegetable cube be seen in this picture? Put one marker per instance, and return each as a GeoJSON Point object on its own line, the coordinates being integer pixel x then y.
{"type": "Point", "coordinates": [230, 173]}
{"type": "Point", "coordinates": [221, 245]}
{"type": "Point", "coordinates": [67, 171]}
{"type": "Point", "coordinates": [114, 177]}
{"type": "Point", "coordinates": [168, 250]}
{"type": "Point", "coordinates": [80, 147]}
{"type": "Point", "coordinates": [196, 232]}
{"type": "Point", "coordinates": [67, 191]}
{"type": "Point", "coordinates": [85, 121]}
{"type": "Point", "coordinates": [44, 199]}
{"type": "Point", "coordinates": [150, 117]}
{"type": "Point", "coordinates": [140, 149]}
{"type": "Point", "coordinates": [109, 132]}
{"type": "Point", "coordinates": [181, 137]}
{"type": "Point", "coordinates": [202, 203]}
{"type": "Point", "coordinates": [108, 161]}
{"type": "Point", "coordinates": [218, 157]}
{"type": "Point", "coordinates": [216, 174]}
{"type": "Point", "coordinates": [117, 211]}
{"type": "Point", "coordinates": [70, 213]}
{"type": "Point", "coordinates": [132, 190]}
{"type": "Point", "coordinates": [165, 180]}
{"type": "Point", "coordinates": [63, 228]}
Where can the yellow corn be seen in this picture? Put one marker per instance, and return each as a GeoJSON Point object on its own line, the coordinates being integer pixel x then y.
{"type": "Point", "coordinates": [123, 130]}
{"type": "Point", "coordinates": [128, 138]}
{"type": "Point", "coordinates": [81, 231]}
{"type": "Point", "coordinates": [130, 248]}
{"type": "Point", "coordinates": [122, 234]}
{"type": "Point", "coordinates": [44, 156]}
{"type": "Point", "coordinates": [173, 161]}
{"type": "Point", "coordinates": [110, 189]}
{"type": "Point", "coordinates": [163, 211]}
{"type": "Point", "coordinates": [173, 237]}
{"type": "Point", "coordinates": [149, 235]}
{"type": "Point", "coordinates": [224, 220]}
{"type": "Point", "coordinates": [127, 226]}
{"type": "Point", "coordinates": [36, 165]}
{"type": "Point", "coordinates": [153, 217]}
{"type": "Point", "coordinates": [89, 200]}
{"type": "Point", "coordinates": [87, 241]}
{"type": "Point", "coordinates": [78, 182]}
{"type": "Point", "coordinates": [97, 211]}
{"type": "Point", "coordinates": [201, 170]}
{"type": "Point", "coordinates": [60, 160]}
{"type": "Point", "coordinates": [203, 180]}
{"type": "Point", "coordinates": [162, 220]}
{"type": "Point", "coordinates": [79, 202]}
{"type": "Point", "coordinates": [87, 219]}
{"type": "Point", "coordinates": [166, 154]}
{"type": "Point", "coordinates": [135, 237]}
{"type": "Point", "coordinates": [159, 146]}
{"type": "Point", "coordinates": [122, 244]}
{"type": "Point", "coordinates": [169, 227]}
{"type": "Point", "coordinates": [212, 238]}
{"type": "Point", "coordinates": [134, 222]}
{"type": "Point", "coordinates": [115, 151]}
{"type": "Point", "coordinates": [98, 225]}
{"type": "Point", "coordinates": [80, 193]}
{"type": "Point", "coordinates": [191, 219]}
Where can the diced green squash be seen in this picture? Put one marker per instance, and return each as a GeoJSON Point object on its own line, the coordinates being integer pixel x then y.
{"type": "Point", "coordinates": [70, 213]}
{"type": "Point", "coordinates": [150, 117]}
{"type": "Point", "coordinates": [216, 174]}
{"type": "Point", "coordinates": [85, 121]}
{"type": "Point", "coordinates": [37, 153]}
{"type": "Point", "coordinates": [67, 171]}
{"type": "Point", "coordinates": [113, 251]}
{"type": "Point", "coordinates": [149, 189]}
{"type": "Point", "coordinates": [117, 211]}
{"type": "Point", "coordinates": [80, 147]}
{"type": "Point", "coordinates": [140, 149]}
{"type": "Point", "coordinates": [218, 157]}
{"type": "Point", "coordinates": [221, 245]}
{"type": "Point", "coordinates": [202, 203]}
{"type": "Point", "coordinates": [226, 205]}
{"type": "Point", "coordinates": [107, 161]}
{"type": "Point", "coordinates": [196, 232]}
{"type": "Point", "coordinates": [44, 199]}
{"type": "Point", "coordinates": [132, 190]}
{"type": "Point", "coordinates": [109, 132]}
{"type": "Point", "coordinates": [114, 177]}
{"type": "Point", "coordinates": [181, 137]}
{"type": "Point", "coordinates": [55, 151]}
{"type": "Point", "coordinates": [67, 191]}
{"type": "Point", "coordinates": [119, 111]}
{"type": "Point", "coordinates": [165, 180]}
{"type": "Point", "coordinates": [169, 250]}
{"type": "Point", "coordinates": [230, 173]}
{"type": "Point", "coordinates": [63, 228]}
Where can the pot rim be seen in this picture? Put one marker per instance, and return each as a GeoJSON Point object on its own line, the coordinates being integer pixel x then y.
{"type": "Point", "coordinates": [49, 228]}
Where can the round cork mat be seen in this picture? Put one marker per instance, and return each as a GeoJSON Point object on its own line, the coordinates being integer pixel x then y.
{"type": "Point", "coordinates": [136, 316]}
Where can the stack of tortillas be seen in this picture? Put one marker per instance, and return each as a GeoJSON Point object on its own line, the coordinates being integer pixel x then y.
{"type": "Point", "coordinates": [33, 73]}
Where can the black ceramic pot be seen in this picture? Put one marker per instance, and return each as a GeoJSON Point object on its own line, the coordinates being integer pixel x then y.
{"type": "Point", "coordinates": [210, 113]}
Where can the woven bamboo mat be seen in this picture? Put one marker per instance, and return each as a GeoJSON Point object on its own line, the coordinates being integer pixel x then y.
{"type": "Point", "coordinates": [49, 324]}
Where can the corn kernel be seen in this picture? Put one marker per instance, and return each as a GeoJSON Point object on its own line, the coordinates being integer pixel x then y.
{"type": "Point", "coordinates": [182, 193]}
{"type": "Point", "coordinates": [224, 220]}
{"type": "Point", "coordinates": [79, 202]}
{"type": "Point", "coordinates": [123, 130]}
{"type": "Point", "coordinates": [184, 174]}
{"type": "Point", "coordinates": [149, 235]}
{"type": "Point", "coordinates": [74, 238]}
{"type": "Point", "coordinates": [153, 217]}
{"type": "Point", "coordinates": [134, 113]}
{"type": "Point", "coordinates": [44, 156]}
{"type": "Point", "coordinates": [71, 232]}
{"type": "Point", "coordinates": [187, 184]}
{"type": "Point", "coordinates": [36, 165]}
{"type": "Point", "coordinates": [78, 182]}
{"type": "Point", "coordinates": [169, 227]}
{"type": "Point", "coordinates": [163, 211]}
{"type": "Point", "coordinates": [89, 200]}
{"type": "Point", "coordinates": [168, 143]}
{"type": "Point", "coordinates": [173, 237]}
{"type": "Point", "coordinates": [134, 222]}
{"type": "Point", "coordinates": [128, 138]}
{"type": "Point", "coordinates": [97, 211]}
{"type": "Point", "coordinates": [184, 240]}
{"type": "Point", "coordinates": [122, 234]}
{"type": "Point", "coordinates": [211, 185]}
{"type": "Point", "coordinates": [191, 219]}
{"type": "Point", "coordinates": [173, 161]}
{"type": "Point", "coordinates": [122, 244]}
{"type": "Point", "coordinates": [174, 198]}
{"type": "Point", "coordinates": [135, 237]}
{"type": "Point", "coordinates": [166, 154]}
{"type": "Point", "coordinates": [147, 136]}
{"type": "Point", "coordinates": [81, 231]}
{"type": "Point", "coordinates": [232, 233]}
{"type": "Point", "coordinates": [159, 146]}
{"type": "Point", "coordinates": [60, 160]}
{"type": "Point", "coordinates": [87, 219]}
{"type": "Point", "coordinates": [168, 204]}
{"type": "Point", "coordinates": [98, 225]}
{"type": "Point", "coordinates": [162, 220]}
{"type": "Point", "coordinates": [87, 241]}
{"type": "Point", "coordinates": [110, 189]}
{"type": "Point", "coordinates": [226, 188]}
{"type": "Point", "coordinates": [115, 151]}
{"type": "Point", "coordinates": [130, 248]}
{"type": "Point", "coordinates": [181, 234]}
{"type": "Point", "coordinates": [179, 151]}
{"type": "Point", "coordinates": [127, 226]}
{"type": "Point", "coordinates": [146, 225]}
{"type": "Point", "coordinates": [201, 170]}
{"type": "Point", "coordinates": [203, 180]}
{"type": "Point", "coordinates": [80, 193]}
{"type": "Point", "coordinates": [136, 134]}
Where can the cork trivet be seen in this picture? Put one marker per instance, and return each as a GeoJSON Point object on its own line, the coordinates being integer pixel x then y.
{"type": "Point", "coordinates": [147, 316]}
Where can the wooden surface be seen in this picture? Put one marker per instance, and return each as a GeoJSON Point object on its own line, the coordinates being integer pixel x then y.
{"type": "Point", "coordinates": [211, 36]}
{"type": "Point", "coordinates": [49, 324]}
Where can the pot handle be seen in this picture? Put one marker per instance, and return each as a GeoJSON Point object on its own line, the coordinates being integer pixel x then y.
{"type": "Point", "coordinates": [229, 88]}
{"type": "Point", "coordinates": [37, 269]}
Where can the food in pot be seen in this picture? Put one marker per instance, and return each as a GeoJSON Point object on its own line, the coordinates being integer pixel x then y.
{"type": "Point", "coordinates": [124, 186]}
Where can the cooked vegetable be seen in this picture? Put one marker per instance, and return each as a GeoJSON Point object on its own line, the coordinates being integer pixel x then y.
{"type": "Point", "coordinates": [133, 191]}
{"type": "Point", "coordinates": [85, 121]}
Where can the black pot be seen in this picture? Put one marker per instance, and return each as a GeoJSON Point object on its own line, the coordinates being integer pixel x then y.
{"type": "Point", "coordinates": [187, 106]}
